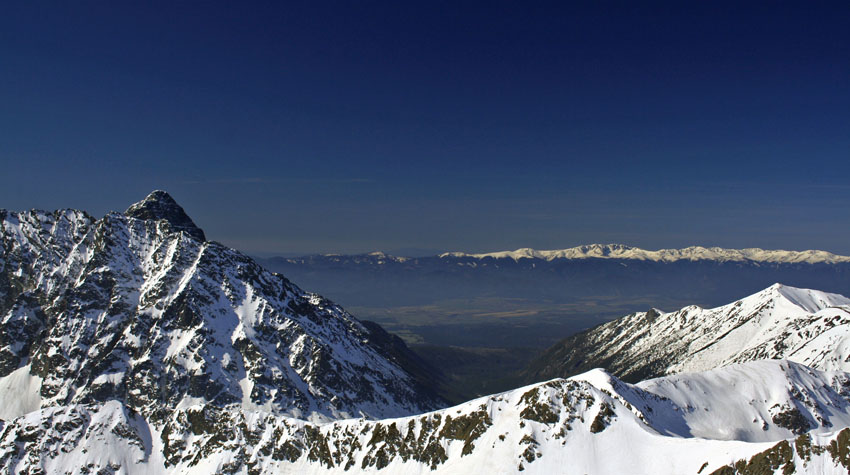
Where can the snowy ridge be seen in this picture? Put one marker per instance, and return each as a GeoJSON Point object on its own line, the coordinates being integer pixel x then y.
{"type": "Point", "coordinates": [693, 253]}
{"type": "Point", "coordinates": [807, 326]}
{"type": "Point", "coordinates": [593, 423]}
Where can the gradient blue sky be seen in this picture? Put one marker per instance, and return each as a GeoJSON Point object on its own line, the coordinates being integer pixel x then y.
{"type": "Point", "coordinates": [291, 128]}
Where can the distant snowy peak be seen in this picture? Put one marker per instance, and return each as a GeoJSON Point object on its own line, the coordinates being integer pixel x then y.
{"type": "Point", "coordinates": [371, 258]}
{"type": "Point", "coordinates": [780, 322]}
{"type": "Point", "coordinates": [807, 299]}
{"type": "Point", "coordinates": [693, 253]}
{"type": "Point", "coordinates": [383, 256]}
{"type": "Point", "coordinates": [780, 298]}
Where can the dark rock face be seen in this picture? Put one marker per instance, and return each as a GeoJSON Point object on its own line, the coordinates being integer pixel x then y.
{"type": "Point", "coordinates": [793, 420]}
{"type": "Point", "coordinates": [587, 350]}
{"type": "Point", "coordinates": [782, 455]}
{"type": "Point", "coordinates": [159, 205]}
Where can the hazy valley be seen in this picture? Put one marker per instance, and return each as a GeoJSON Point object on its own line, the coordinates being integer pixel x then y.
{"type": "Point", "coordinates": [466, 309]}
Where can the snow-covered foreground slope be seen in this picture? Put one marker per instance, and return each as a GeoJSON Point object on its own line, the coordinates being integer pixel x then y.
{"type": "Point", "coordinates": [807, 326]}
{"type": "Point", "coordinates": [592, 423]}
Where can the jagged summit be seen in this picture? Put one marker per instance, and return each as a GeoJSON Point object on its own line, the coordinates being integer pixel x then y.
{"type": "Point", "coordinates": [159, 205]}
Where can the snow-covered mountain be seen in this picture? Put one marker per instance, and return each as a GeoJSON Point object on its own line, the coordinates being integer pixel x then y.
{"type": "Point", "coordinates": [780, 415]}
{"type": "Point", "coordinates": [130, 344]}
{"type": "Point", "coordinates": [806, 326]}
{"type": "Point", "coordinates": [139, 308]}
{"type": "Point", "coordinates": [693, 253]}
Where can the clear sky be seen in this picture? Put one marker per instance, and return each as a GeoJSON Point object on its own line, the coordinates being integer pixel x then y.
{"type": "Point", "coordinates": [299, 127]}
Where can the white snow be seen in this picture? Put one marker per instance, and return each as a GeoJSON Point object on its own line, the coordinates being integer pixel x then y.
{"type": "Point", "coordinates": [738, 402]}
{"type": "Point", "coordinates": [19, 393]}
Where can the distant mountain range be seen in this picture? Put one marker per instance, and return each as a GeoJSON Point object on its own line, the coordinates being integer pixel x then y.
{"type": "Point", "coordinates": [130, 344]}
{"type": "Point", "coordinates": [610, 251]}
{"type": "Point", "coordinates": [696, 273]}
{"type": "Point", "coordinates": [693, 253]}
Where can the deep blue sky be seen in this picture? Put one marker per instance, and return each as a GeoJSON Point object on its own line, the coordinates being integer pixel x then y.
{"type": "Point", "coordinates": [354, 126]}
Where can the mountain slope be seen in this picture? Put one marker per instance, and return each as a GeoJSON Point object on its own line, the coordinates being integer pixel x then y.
{"type": "Point", "coordinates": [807, 326]}
{"type": "Point", "coordinates": [139, 308]}
{"type": "Point", "coordinates": [593, 423]}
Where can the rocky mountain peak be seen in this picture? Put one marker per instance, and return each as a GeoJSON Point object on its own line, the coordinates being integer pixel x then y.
{"type": "Point", "coordinates": [120, 309]}
{"type": "Point", "coordinates": [159, 205]}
